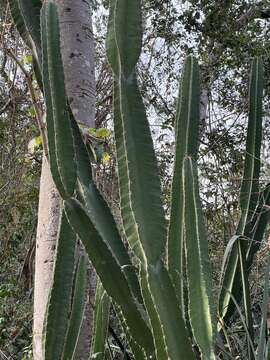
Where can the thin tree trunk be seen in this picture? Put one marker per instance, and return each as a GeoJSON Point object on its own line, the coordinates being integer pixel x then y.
{"type": "Point", "coordinates": [48, 217]}
{"type": "Point", "coordinates": [77, 48]}
{"type": "Point", "coordinates": [77, 45]}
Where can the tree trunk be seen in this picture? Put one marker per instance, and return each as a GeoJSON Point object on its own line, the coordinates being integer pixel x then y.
{"type": "Point", "coordinates": [48, 217]}
{"type": "Point", "coordinates": [77, 49]}
{"type": "Point", "coordinates": [77, 46]}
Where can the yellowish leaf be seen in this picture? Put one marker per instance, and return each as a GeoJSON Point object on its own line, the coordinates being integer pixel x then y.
{"type": "Point", "coordinates": [102, 133]}
{"type": "Point", "coordinates": [105, 157]}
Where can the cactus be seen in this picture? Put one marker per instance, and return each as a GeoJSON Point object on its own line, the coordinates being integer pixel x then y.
{"type": "Point", "coordinates": [248, 200]}
{"type": "Point", "coordinates": [77, 309]}
{"type": "Point", "coordinates": [30, 11]}
{"type": "Point", "coordinates": [101, 322]}
{"type": "Point", "coordinates": [114, 280]}
{"type": "Point", "coordinates": [151, 298]}
{"type": "Point", "coordinates": [142, 196]}
{"type": "Point", "coordinates": [59, 300]}
{"type": "Point", "coordinates": [186, 130]}
{"type": "Point", "coordinates": [49, 111]}
{"type": "Point", "coordinates": [26, 17]}
{"type": "Point", "coordinates": [62, 152]}
{"type": "Point", "coordinates": [262, 343]}
{"type": "Point", "coordinates": [19, 22]}
{"type": "Point", "coordinates": [198, 264]}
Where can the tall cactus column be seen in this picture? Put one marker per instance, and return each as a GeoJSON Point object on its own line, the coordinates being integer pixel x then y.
{"type": "Point", "coordinates": [78, 57]}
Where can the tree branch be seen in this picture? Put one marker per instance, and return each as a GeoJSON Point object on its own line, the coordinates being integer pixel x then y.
{"type": "Point", "coordinates": [254, 12]}
{"type": "Point", "coordinates": [38, 113]}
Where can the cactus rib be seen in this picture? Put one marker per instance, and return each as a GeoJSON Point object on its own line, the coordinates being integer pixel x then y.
{"type": "Point", "coordinates": [248, 194]}
{"type": "Point", "coordinates": [57, 315]}
{"type": "Point", "coordinates": [114, 281]}
{"type": "Point", "coordinates": [101, 323]}
{"type": "Point", "coordinates": [186, 139]}
{"type": "Point", "coordinates": [48, 102]}
{"type": "Point", "coordinates": [198, 264]}
{"type": "Point", "coordinates": [57, 104]}
{"type": "Point", "coordinates": [77, 309]}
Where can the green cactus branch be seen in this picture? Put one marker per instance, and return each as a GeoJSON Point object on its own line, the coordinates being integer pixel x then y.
{"type": "Point", "coordinates": [101, 323]}
{"type": "Point", "coordinates": [248, 198]}
{"type": "Point", "coordinates": [114, 281]}
{"type": "Point", "coordinates": [77, 309]}
{"type": "Point", "coordinates": [186, 139]}
{"type": "Point", "coordinates": [59, 301]}
{"type": "Point", "coordinates": [199, 277]}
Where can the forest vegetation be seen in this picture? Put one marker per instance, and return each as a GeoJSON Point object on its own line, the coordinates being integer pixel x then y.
{"type": "Point", "coordinates": [147, 151]}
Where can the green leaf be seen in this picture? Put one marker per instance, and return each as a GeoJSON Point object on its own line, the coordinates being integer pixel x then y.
{"type": "Point", "coordinates": [91, 131]}
{"type": "Point", "coordinates": [27, 59]}
{"type": "Point", "coordinates": [34, 144]}
{"type": "Point", "coordinates": [38, 140]}
{"type": "Point", "coordinates": [31, 111]}
{"type": "Point", "coordinates": [198, 264]}
{"type": "Point", "coordinates": [77, 309]}
{"type": "Point", "coordinates": [57, 316]}
{"type": "Point", "coordinates": [105, 157]}
{"type": "Point", "coordinates": [102, 133]}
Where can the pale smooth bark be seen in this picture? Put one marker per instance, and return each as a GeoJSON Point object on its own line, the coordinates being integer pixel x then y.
{"type": "Point", "coordinates": [77, 47]}
{"type": "Point", "coordinates": [48, 217]}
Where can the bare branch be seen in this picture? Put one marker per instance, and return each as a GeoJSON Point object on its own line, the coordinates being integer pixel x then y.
{"type": "Point", "coordinates": [38, 113]}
